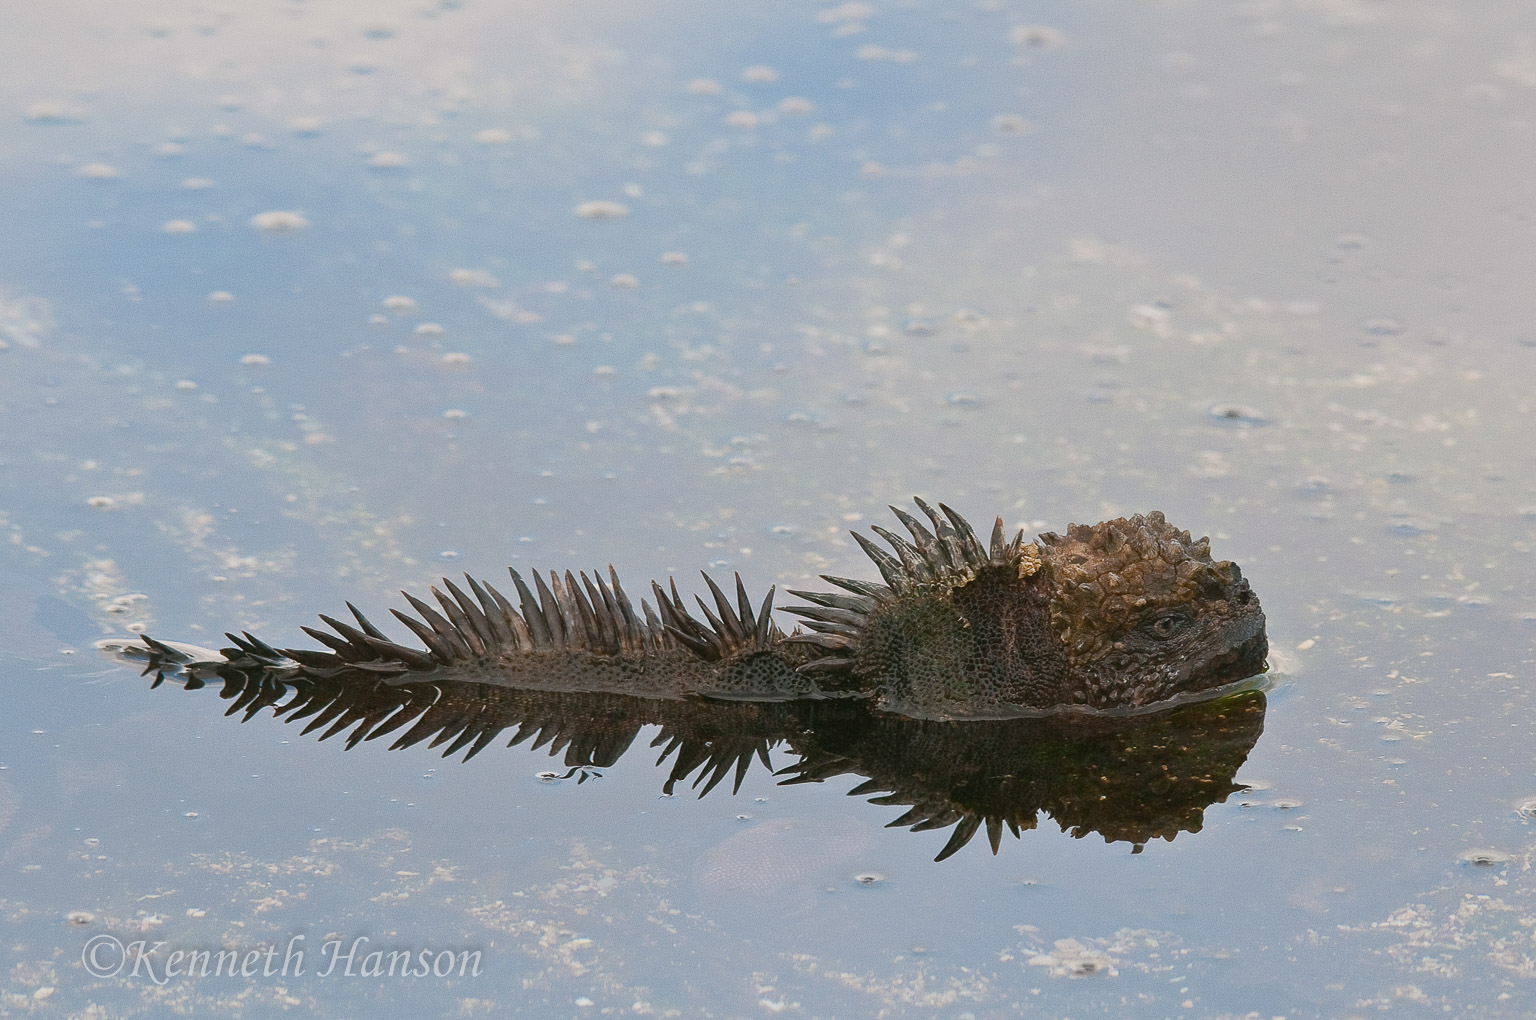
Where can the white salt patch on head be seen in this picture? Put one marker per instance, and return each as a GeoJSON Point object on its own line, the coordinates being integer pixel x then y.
{"type": "Point", "coordinates": [280, 221]}
{"type": "Point", "coordinates": [400, 304]}
{"type": "Point", "coordinates": [96, 171]}
{"type": "Point", "coordinates": [386, 160]}
{"type": "Point", "coordinates": [759, 73]}
{"type": "Point", "coordinates": [601, 210]}
{"type": "Point", "coordinates": [493, 136]}
{"type": "Point", "coordinates": [178, 226]}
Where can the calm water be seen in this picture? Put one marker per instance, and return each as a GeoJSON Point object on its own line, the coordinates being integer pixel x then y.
{"type": "Point", "coordinates": [303, 303]}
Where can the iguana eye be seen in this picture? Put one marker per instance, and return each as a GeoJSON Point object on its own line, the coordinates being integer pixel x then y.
{"type": "Point", "coordinates": [1165, 626]}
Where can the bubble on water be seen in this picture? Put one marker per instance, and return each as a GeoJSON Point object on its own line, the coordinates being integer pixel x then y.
{"type": "Point", "coordinates": [379, 31]}
{"type": "Point", "coordinates": [674, 258]}
{"type": "Point", "coordinates": [704, 87]}
{"type": "Point", "coordinates": [1410, 527]}
{"type": "Point", "coordinates": [168, 150]}
{"type": "Point", "coordinates": [454, 414]}
{"type": "Point", "coordinates": [1238, 415]}
{"type": "Point", "coordinates": [962, 398]}
{"type": "Point", "coordinates": [400, 304]}
{"type": "Point", "coordinates": [493, 136]}
{"type": "Point", "coordinates": [255, 360]}
{"type": "Point", "coordinates": [869, 878]}
{"type": "Point", "coordinates": [96, 171]}
{"type": "Point", "coordinates": [919, 327]}
{"type": "Point", "coordinates": [760, 73]}
{"type": "Point", "coordinates": [474, 278]}
{"type": "Point", "coordinates": [599, 210]}
{"type": "Point", "coordinates": [54, 113]}
{"type": "Point", "coordinates": [279, 221]}
{"type": "Point", "coordinates": [1037, 37]}
{"type": "Point", "coordinates": [101, 502]}
{"type": "Point", "coordinates": [1382, 326]}
{"type": "Point", "coordinates": [742, 119]}
{"type": "Point", "coordinates": [1009, 124]}
{"type": "Point", "coordinates": [306, 125]}
{"type": "Point", "coordinates": [457, 358]}
{"type": "Point", "coordinates": [874, 51]}
{"type": "Point", "coordinates": [428, 329]}
{"type": "Point", "coordinates": [196, 183]}
{"type": "Point", "coordinates": [796, 106]}
{"type": "Point", "coordinates": [79, 917]}
{"type": "Point", "coordinates": [386, 160]}
{"type": "Point", "coordinates": [178, 227]}
{"type": "Point", "coordinates": [1285, 803]}
{"type": "Point", "coordinates": [547, 777]}
{"type": "Point", "coordinates": [1526, 809]}
{"type": "Point", "coordinates": [605, 370]}
{"type": "Point", "coordinates": [655, 139]}
{"type": "Point", "coordinates": [220, 297]}
{"type": "Point", "coordinates": [254, 140]}
{"type": "Point", "coordinates": [624, 281]}
{"type": "Point", "coordinates": [1483, 857]}
{"type": "Point", "coordinates": [448, 554]}
{"type": "Point", "coordinates": [845, 12]}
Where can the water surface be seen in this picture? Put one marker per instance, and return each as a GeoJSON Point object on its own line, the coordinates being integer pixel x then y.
{"type": "Point", "coordinates": [302, 304]}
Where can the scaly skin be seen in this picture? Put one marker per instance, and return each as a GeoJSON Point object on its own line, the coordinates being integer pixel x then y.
{"type": "Point", "coordinates": [1120, 615]}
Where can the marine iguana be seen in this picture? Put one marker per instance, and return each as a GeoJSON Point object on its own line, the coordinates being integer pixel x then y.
{"type": "Point", "coordinates": [1116, 616]}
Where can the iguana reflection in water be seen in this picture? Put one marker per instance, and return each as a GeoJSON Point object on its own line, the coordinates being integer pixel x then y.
{"type": "Point", "coordinates": [978, 685]}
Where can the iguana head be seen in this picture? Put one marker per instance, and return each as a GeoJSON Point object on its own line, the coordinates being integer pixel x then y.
{"type": "Point", "coordinates": [1145, 614]}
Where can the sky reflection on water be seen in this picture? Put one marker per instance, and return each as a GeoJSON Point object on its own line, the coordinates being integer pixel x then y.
{"type": "Point", "coordinates": [1010, 256]}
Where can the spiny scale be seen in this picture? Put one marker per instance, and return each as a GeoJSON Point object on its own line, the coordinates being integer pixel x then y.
{"type": "Point", "coordinates": [576, 613]}
{"type": "Point", "coordinates": [595, 615]}
{"type": "Point", "coordinates": [950, 554]}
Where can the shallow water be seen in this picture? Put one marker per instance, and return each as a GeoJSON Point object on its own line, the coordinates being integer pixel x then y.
{"type": "Point", "coordinates": [1263, 266]}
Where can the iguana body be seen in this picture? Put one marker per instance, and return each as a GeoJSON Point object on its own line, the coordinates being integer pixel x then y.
{"type": "Point", "coordinates": [1119, 615]}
